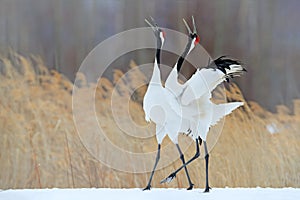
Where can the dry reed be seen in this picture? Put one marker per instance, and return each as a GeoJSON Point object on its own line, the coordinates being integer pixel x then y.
{"type": "Point", "coordinates": [40, 147]}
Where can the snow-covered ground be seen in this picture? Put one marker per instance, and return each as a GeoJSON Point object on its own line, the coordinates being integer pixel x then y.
{"type": "Point", "coordinates": [157, 194]}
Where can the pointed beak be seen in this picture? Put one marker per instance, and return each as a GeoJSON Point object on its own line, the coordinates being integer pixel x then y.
{"type": "Point", "coordinates": [194, 25]}
{"type": "Point", "coordinates": [187, 26]}
{"type": "Point", "coordinates": [153, 28]}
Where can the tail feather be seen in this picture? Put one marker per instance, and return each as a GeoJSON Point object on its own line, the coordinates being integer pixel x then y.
{"type": "Point", "coordinates": [222, 110]}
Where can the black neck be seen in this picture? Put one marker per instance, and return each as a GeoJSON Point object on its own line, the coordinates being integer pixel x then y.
{"type": "Point", "coordinates": [184, 54]}
{"type": "Point", "coordinates": [158, 51]}
{"type": "Point", "coordinates": [179, 63]}
{"type": "Point", "coordinates": [158, 56]}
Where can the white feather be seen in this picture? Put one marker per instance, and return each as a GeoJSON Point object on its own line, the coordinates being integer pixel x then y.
{"type": "Point", "coordinates": [172, 83]}
{"type": "Point", "coordinates": [221, 110]}
{"type": "Point", "coordinates": [191, 101]}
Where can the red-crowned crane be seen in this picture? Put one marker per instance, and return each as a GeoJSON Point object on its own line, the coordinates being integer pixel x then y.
{"type": "Point", "coordinates": [197, 111]}
{"type": "Point", "coordinates": [157, 105]}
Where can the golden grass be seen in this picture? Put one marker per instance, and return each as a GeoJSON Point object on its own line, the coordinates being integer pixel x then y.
{"type": "Point", "coordinates": [40, 147]}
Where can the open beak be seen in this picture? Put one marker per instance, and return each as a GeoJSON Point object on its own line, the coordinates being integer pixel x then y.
{"type": "Point", "coordinates": [188, 28]}
{"type": "Point", "coordinates": [153, 25]}
{"type": "Point", "coordinates": [194, 25]}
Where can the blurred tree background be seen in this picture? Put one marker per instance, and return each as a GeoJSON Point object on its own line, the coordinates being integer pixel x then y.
{"type": "Point", "coordinates": [265, 35]}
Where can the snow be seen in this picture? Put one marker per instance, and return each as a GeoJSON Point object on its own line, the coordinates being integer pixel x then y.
{"type": "Point", "coordinates": [272, 128]}
{"type": "Point", "coordinates": [157, 194]}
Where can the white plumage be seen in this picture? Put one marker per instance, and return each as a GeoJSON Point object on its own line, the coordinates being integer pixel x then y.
{"type": "Point", "coordinates": [159, 108]}
{"type": "Point", "coordinates": [205, 81]}
{"type": "Point", "coordinates": [195, 99]}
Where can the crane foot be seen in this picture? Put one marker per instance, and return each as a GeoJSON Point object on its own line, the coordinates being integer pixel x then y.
{"type": "Point", "coordinates": [191, 187]}
{"type": "Point", "coordinates": [169, 178]}
{"type": "Point", "coordinates": [206, 189]}
{"type": "Point", "coordinates": [147, 188]}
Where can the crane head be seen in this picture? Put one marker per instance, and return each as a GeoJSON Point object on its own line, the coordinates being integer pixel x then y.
{"type": "Point", "coordinates": [194, 39]}
{"type": "Point", "coordinates": [158, 32]}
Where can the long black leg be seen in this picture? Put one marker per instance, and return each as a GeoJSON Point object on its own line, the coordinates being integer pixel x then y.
{"type": "Point", "coordinates": [173, 175]}
{"type": "Point", "coordinates": [186, 170]}
{"type": "Point", "coordinates": [148, 187]}
{"type": "Point", "coordinates": [206, 167]}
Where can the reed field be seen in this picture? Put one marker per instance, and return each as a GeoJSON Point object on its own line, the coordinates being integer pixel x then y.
{"type": "Point", "coordinates": [40, 147]}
